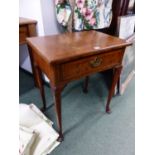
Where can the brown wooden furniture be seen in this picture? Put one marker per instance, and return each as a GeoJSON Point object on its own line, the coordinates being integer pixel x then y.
{"type": "Point", "coordinates": [27, 28]}
{"type": "Point", "coordinates": [71, 56]}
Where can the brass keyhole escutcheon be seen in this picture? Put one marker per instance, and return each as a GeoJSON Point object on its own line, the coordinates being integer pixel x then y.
{"type": "Point", "coordinates": [96, 62]}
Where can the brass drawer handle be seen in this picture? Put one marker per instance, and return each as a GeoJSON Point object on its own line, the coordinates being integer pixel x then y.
{"type": "Point", "coordinates": [96, 62]}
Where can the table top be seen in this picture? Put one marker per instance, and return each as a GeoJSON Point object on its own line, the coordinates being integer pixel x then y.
{"type": "Point", "coordinates": [68, 46]}
{"type": "Point", "coordinates": [23, 21]}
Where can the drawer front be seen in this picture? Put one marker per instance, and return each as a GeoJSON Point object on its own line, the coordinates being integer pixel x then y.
{"type": "Point", "coordinates": [92, 64]}
{"type": "Point", "coordinates": [23, 33]}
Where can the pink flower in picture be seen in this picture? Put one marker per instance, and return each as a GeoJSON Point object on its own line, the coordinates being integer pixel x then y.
{"type": "Point", "coordinates": [92, 21]}
{"type": "Point", "coordinates": [83, 11]}
{"type": "Point", "coordinates": [80, 3]}
{"type": "Point", "coordinates": [88, 13]}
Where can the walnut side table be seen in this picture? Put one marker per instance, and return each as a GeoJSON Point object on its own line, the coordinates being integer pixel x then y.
{"type": "Point", "coordinates": [71, 56]}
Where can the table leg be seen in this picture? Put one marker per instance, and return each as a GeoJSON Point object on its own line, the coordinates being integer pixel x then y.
{"type": "Point", "coordinates": [85, 87]}
{"type": "Point", "coordinates": [117, 71]}
{"type": "Point", "coordinates": [57, 100]}
{"type": "Point", "coordinates": [33, 67]}
{"type": "Point", "coordinates": [40, 85]}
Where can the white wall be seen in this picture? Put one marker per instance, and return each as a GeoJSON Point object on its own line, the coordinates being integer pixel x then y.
{"type": "Point", "coordinates": [32, 9]}
{"type": "Point", "coordinates": [43, 11]}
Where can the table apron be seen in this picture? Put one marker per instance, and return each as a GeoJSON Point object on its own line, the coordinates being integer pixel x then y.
{"type": "Point", "coordinates": [89, 65]}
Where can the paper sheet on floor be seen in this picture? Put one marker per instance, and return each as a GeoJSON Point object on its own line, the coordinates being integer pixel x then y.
{"type": "Point", "coordinates": [37, 136]}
